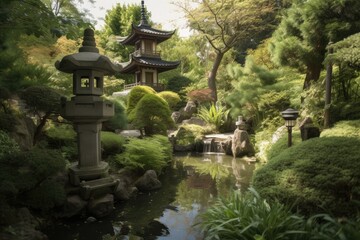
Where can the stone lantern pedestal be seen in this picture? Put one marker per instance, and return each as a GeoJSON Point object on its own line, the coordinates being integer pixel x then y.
{"type": "Point", "coordinates": [87, 110]}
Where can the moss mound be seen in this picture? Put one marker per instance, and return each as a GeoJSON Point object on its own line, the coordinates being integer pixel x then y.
{"type": "Point", "coordinates": [317, 175]}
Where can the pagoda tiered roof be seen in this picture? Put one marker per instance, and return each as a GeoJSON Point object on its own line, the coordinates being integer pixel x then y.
{"type": "Point", "coordinates": [158, 63]}
{"type": "Point", "coordinates": [145, 31]}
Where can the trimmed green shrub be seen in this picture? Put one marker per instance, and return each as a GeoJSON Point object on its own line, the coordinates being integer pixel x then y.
{"type": "Point", "coordinates": [316, 175]}
{"type": "Point", "coordinates": [172, 98]}
{"type": "Point", "coordinates": [343, 129]}
{"type": "Point", "coordinates": [282, 144]}
{"type": "Point", "coordinates": [119, 120]}
{"type": "Point", "coordinates": [145, 154]}
{"type": "Point", "coordinates": [63, 137]}
{"type": "Point", "coordinates": [134, 97]}
{"type": "Point", "coordinates": [112, 143]}
{"type": "Point", "coordinates": [153, 115]}
{"type": "Point", "coordinates": [61, 132]}
{"type": "Point", "coordinates": [251, 217]}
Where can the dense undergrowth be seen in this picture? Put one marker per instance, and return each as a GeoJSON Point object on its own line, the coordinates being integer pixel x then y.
{"type": "Point", "coordinates": [308, 191]}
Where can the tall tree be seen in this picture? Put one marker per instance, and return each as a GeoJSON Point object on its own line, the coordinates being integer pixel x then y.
{"type": "Point", "coordinates": [225, 24]}
{"type": "Point", "coordinates": [306, 29]}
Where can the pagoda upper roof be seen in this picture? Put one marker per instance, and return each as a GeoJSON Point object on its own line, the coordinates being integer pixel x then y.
{"type": "Point", "coordinates": [144, 31]}
{"type": "Point", "coordinates": [158, 63]}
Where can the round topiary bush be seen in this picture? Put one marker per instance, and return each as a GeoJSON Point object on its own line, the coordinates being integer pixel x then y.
{"type": "Point", "coordinates": [153, 115]}
{"type": "Point", "coordinates": [112, 143]}
{"type": "Point", "coordinates": [172, 98]}
{"type": "Point", "coordinates": [135, 95]}
{"type": "Point", "coordinates": [317, 175]}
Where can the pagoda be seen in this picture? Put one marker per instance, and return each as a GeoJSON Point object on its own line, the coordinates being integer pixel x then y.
{"type": "Point", "coordinates": [146, 63]}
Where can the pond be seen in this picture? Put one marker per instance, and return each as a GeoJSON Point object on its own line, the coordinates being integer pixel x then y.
{"type": "Point", "coordinates": [190, 186]}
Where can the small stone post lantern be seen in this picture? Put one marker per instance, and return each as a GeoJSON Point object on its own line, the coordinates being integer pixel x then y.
{"type": "Point", "coordinates": [86, 109]}
{"type": "Point", "coordinates": [290, 115]}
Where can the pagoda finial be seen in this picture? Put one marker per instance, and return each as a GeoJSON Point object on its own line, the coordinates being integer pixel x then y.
{"type": "Point", "coordinates": [143, 15]}
{"type": "Point", "coordinates": [88, 44]}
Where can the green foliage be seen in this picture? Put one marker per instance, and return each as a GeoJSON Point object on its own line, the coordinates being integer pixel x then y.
{"type": "Point", "coordinates": [306, 29]}
{"type": "Point", "coordinates": [228, 23]}
{"type": "Point", "coordinates": [347, 51]}
{"type": "Point", "coordinates": [112, 143]}
{"type": "Point", "coordinates": [260, 94]}
{"type": "Point", "coordinates": [8, 145]}
{"type": "Point", "coordinates": [172, 98]}
{"type": "Point", "coordinates": [250, 216]}
{"type": "Point", "coordinates": [47, 195]}
{"type": "Point", "coordinates": [215, 115]}
{"type": "Point", "coordinates": [178, 83]}
{"type": "Point", "coordinates": [42, 102]}
{"type": "Point", "coordinates": [21, 75]}
{"type": "Point", "coordinates": [153, 115]}
{"type": "Point", "coordinates": [41, 99]}
{"type": "Point", "coordinates": [316, 175]}
{"type": "Point", "coordinates": [145, 154]}
{"type": "Point", "coordinates": [135, 95]}
{"type": "Point", "coordinates": [192, 133]}
{"type": "Point", "coordinates": [314, 102]}
{"type": "Point", "coordinates": [343, 129]}
{"type": "Point", "coordinates": [27, 179]}
{"type": "Point", "coordinates": [282, 144]}
{"type": "Point", "coordinates": [118, 22]}
{"type": "Point", "coordinates": [61, 132]}
{"type": "Point", "coordinates": [7, 121]}
{"type": "Point", "coordinates": [119, 120]}
{"type": "Point", "coordinates": [62, 137]}
{"type": "Point", "coordinates": [349, 110]}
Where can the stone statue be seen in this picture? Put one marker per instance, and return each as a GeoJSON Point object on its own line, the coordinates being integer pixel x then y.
{"type": "Point", "coordinates": [241, 145]}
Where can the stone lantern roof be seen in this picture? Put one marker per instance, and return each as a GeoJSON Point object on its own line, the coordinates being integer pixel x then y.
{"type": "Point", "coordinates": [87, 58]}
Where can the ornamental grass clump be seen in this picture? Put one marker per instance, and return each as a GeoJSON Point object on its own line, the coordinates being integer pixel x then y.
{"type": "Point", "coordinates": [249, 216]}
{"type": "Point", "coordinates": [215, 115]}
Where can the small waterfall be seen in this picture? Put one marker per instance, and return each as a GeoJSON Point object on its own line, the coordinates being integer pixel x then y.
{"type": "Point", "coordinates": [212, 146]}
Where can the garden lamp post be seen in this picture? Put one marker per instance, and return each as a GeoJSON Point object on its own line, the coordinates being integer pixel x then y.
{"type": "Point", "coordinates": [290, 115]}
{"type": "Point", "coordinates": [86, 109]}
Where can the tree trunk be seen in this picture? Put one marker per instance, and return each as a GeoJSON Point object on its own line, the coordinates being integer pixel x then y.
{"type": "Point", "coordinates": [327, 117]}
{"type": "Point", "coordinates": [312, 74]}
{"type": "Point", "coordinates": [212, 76]}
{"type": "Point", "coordinates": [40, 127]}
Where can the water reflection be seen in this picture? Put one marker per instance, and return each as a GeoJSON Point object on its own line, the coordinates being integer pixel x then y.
{"type": "Point", "coordinates": [190, 186]}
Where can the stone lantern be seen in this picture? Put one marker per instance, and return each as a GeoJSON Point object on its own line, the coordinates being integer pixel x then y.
{"type": "Point", "coordinates": [86, 109]}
